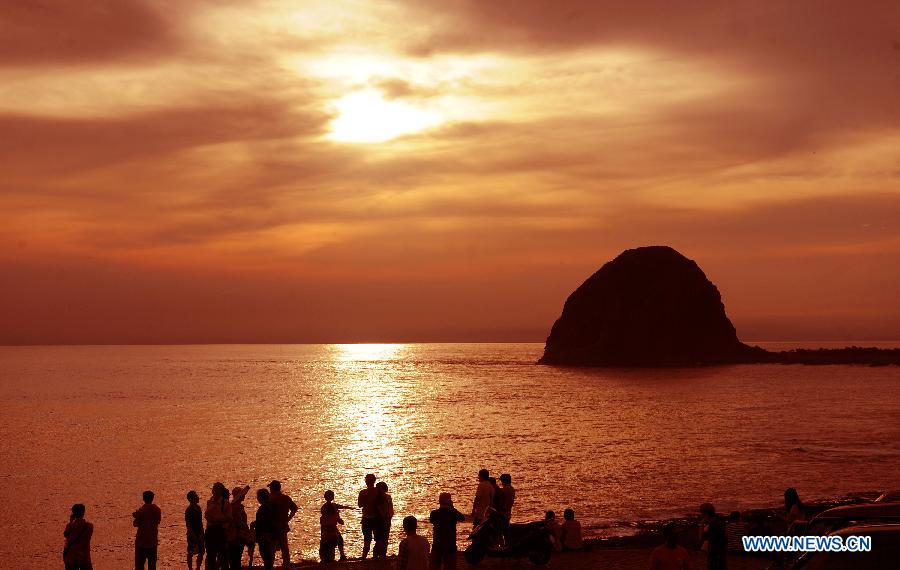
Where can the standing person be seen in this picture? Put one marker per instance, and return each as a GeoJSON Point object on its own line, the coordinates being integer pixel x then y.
{"type": "Point", "coordinates": [484, 497]}
{"type": "Point", "coordinates": [413, 551]}
{"type": "Point", "coordinates": [193, 521]}
{"type": "Point", "coordinates": [712, 536]}
{"type": "Point", "coordinates": [264, 526]}
{"type": "Point", "coordinates": [285, 508]}
{"type": "Point", "coordinates": [570, 534]}
{"type": "Point", "coordinates": [444, 520]}
{"type": "Point", "coordinates": [331, 510]}
{"type": "Point", "coordinates": [368, 502]}
{"type": "Point", "coordinates": [238, 532]}
{"type": "Point", "coordinates": [218, 517]}
{"type": "Point", "coordinates": [669, 556]}
{"type": "Point", "coordinates": [385, 515]}
{"type": "Point", "coordinates": [77, 551]}
{"type": "Point", "coordinates": [146, 539]}
{"type": "Point", "coordinates": [794, 513]}
{"type": "Point", "coordinates": [507, 494]}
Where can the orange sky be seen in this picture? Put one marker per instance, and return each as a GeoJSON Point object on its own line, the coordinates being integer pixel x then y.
{"type": "Point", "coordinates": [350, 170]}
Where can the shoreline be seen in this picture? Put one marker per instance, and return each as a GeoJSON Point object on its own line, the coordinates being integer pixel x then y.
{"type": "Point", "coordinates": [626, 551]}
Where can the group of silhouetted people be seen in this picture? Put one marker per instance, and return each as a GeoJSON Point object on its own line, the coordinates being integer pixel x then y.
{"type": "Point", "coordinates": [228, 532]}
{"type": "Point", "coordinates": [719, 536]}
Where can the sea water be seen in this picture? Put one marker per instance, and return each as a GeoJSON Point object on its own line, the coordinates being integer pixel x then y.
{"type": "Point", "coordinates": [100, 424]}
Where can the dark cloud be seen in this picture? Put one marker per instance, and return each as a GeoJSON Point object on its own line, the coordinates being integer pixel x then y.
{"type": "Point", "coordinates": [63, 32]}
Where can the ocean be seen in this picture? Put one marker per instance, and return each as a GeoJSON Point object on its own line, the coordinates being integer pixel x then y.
{"type": "Point", "coordinates": [100, 424]}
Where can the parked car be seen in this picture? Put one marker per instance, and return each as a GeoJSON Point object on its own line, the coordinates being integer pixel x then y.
{"type": "Point", "coordinates": [884, 555]}
{"type": "Point", "coordinates": [531, 540]}
{"type": "Point", "coordinates": [889, 497]}
{"type": "Point", "coordinates": [839, 517]}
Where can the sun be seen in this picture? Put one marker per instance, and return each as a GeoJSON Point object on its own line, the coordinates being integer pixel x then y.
{"type": "Point", "coordinates": [367, 117]}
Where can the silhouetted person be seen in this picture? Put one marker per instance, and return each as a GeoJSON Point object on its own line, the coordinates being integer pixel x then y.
{"type": "Point", "coordinates": [285, 508]}
{"type": "Point", "coordinates": [669, 556]}
{"type": "Point", "coordinates": [218, 517]}
{"type": "Point", "coordinates": [368, 502]}
{"type": "Point", "coordinates": [146, 539]}
{"type": "Point", "coordinates": [794, 511]}
{"type": "Point", "coordinates": [331, 535]}
{"type": "Point", "coordinates": [552, 525]}
{"type": "Point", "coordinates": [735, 530]}
{"type": "Point", "coordinates": [507, 498]}
{"type": "Point", "coordinates": [712, 532]}
{"type": "Point", "coordinates": [484, 497]}
{"type": "Point", "coordinates": [265, 527]}
{"type": "Point", "coordinates": [413, 553]}
{"type": "Point", "coordinates": [444, 520]}
{"type": "Point", "coordinates": [507, 495]}
{"type": "Point", "coordinates": [193, 522]}
{"type": "Point", "coordinates": [570, 534]}
{"type": "Point", "coordinates": [238, 532]}
{"type": "Point", "coordinates": [385, 515]}
{"type": "Point", "coordinates": [77, 550]}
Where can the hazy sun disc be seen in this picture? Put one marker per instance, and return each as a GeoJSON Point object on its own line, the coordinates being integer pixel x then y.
{"type": "Point", "coordinates": [367, 117]}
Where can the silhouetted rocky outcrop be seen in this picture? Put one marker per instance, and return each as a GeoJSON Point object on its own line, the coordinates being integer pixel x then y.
{"type": "Point", "coordinates": [651, 306]}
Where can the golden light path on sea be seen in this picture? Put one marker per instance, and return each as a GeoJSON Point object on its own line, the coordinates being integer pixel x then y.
{"type": "Point", "coordinates": [372, 395]}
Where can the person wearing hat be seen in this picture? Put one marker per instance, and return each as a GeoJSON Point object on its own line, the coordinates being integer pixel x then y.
{"type": "Point", "coordinates": [238, 531]}
{"type": "Point", "coordinates": [443, 521]}
{"type": "Point", "coordinates": [284, 508]}
{"type": "Point", "coordinates": [713, 538]}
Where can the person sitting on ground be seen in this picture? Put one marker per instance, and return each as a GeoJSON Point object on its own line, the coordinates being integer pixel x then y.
{"type": "Point", "coordinates": [669, 556]}
{"type": "Point", "coordinates": [77, 550]}
{"type": "Point", "coordinates": [193, 521]}
{"type": "Point", "coordinates": [553, 526]}
{"type": "Point", "coordinates": [712, 538]}
{"type": "Point", "coordinates": [570, 535]}
{"type": "Point", "coordinates": [413, 553]}
{"type": "Point", "coordinates": [264, 527]}
{"type": "Point", "coordinates": [484, 497]}
{"type": "Point", "coordinates": [735, 529]}
{"type": "Point", "coordinates": [284, 508]}
{"type": "Point", "coordinates": [443, 521]}
{"type": "Point", "coordinates": [385, 514]}
{"type": "Point", "coordinates": [146, 539]}
{"type": "Point", "coordinates": [331, 510]}
{"type": "Point", "coordinates": [368, 502]}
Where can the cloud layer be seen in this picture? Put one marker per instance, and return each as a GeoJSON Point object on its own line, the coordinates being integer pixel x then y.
{"type": "Point", "coordinates": [173, 171]}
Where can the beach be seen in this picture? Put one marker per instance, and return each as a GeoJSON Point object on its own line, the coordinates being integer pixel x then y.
{"type": "Point", "coordinates": [615, 558]}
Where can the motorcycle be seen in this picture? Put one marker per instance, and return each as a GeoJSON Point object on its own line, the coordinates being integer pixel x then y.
{"type": "Point", "coordinates": [531, 540]}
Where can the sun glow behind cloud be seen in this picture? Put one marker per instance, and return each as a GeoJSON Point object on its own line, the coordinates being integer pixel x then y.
{"type": "Point", "coordinates": [367, 117]}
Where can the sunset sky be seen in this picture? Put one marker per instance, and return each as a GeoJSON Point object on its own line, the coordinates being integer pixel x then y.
{"type": "Point", "coordinates": [289, 171]}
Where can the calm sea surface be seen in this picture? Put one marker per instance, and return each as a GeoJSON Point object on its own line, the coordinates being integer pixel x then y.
{"type": "Point", "coordinates": [99, 425]}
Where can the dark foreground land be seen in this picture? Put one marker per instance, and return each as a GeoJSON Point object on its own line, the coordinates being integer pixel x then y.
{"type": "Point", "coordinates": [608, 557]}
{"type": "Point", "coordinates": [850, 355]}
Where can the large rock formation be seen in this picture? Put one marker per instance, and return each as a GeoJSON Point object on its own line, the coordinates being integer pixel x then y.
{"type": "Point", "coordinates": [650, 306]}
